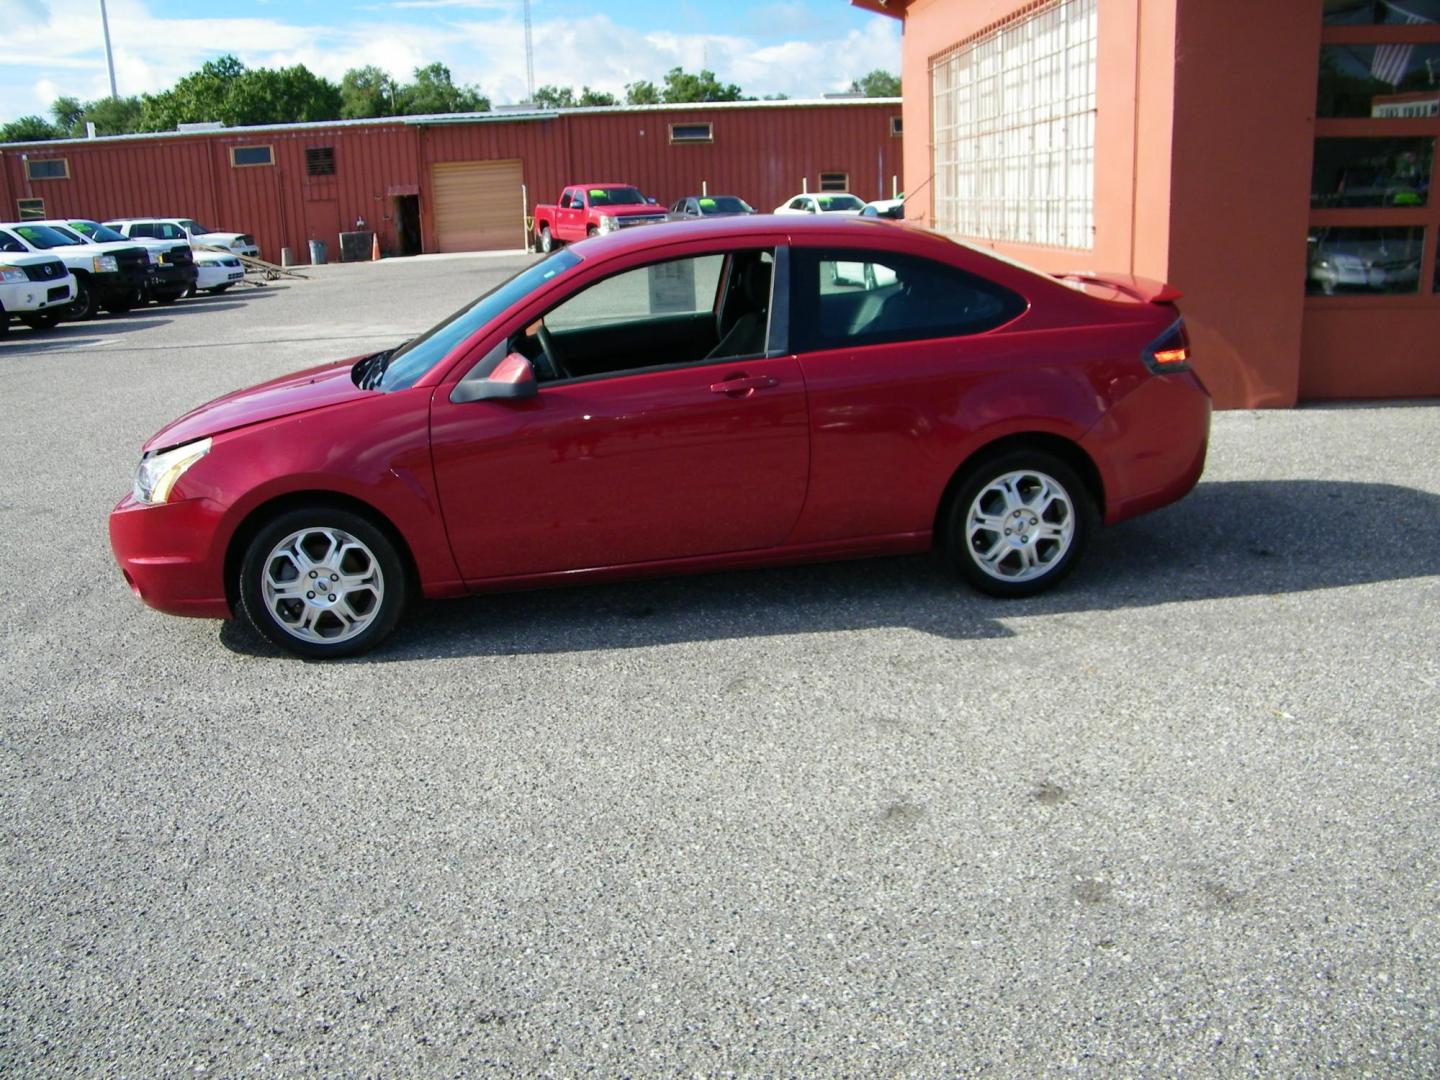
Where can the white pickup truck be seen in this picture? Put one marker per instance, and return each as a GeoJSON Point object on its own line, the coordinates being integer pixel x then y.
{"type": "Point", "coordinates": [199, 235]}
{"type": "Point", "coordinates": [36, 289]}
{"type": "Point", "coordinates": [111, 276]}
{"type": "Point", "coordinates": [171, 273]}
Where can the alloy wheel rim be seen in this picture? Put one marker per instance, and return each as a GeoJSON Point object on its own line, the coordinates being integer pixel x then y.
{"type": "Point", "coordinates": [322, 585]}
{"type": "Point", "coordinates": [1020, 525]}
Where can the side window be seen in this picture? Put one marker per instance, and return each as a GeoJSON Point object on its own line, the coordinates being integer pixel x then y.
{"type": "Point", "coordinates": [142, 229]}
{"type": "Point", "coordinates": [850, 298]}
{"type": "Point", "coordinates": [668, 314]}
{"type": "Point", "coordinates": [168, 232]}
{"type": "Point", "coordinates": [799, 203]}
{"type": "Point", "coordinates": [565, 201]}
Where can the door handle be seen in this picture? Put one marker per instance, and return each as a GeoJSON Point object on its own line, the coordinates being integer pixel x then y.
{"type": "Point", "coordinates": [744, 385]}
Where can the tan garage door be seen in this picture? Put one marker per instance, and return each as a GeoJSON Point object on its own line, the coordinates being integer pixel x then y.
{"type": "Point", "coordinates": [478, 205]}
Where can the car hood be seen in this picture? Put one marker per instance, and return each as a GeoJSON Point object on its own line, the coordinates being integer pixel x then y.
{"type": "Point", "coordinates": [630, 209]}
{"type": "Point", "coordinates": [216, 237]}
{"type": "Point", "coordinates": [304, 391]}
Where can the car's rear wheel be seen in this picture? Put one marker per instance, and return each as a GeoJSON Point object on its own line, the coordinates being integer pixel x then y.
{"type": "Point", "coordinates": [169, 296]}
{"type": "Point", "coordinates": [322, 583]}
{"type": "Point", "coordinates": [44, 320]}
{"type": "Point", "coordinates": [547, 241]}
{"type": "Point", "coordinates": [1019, 522]}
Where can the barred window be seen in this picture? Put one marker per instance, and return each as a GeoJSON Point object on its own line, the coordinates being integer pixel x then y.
{"type": "Point", "coordinates": [1014, 130]}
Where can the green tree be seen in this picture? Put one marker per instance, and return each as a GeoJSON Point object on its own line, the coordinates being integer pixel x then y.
{"type": "Point", "coordinates": [367, 91]}
{"type": "Point", "coordinates": [29, 129]}
{"type": "Point", "coordinates": [597, 98]}
{"type": "Point", "coordinates": [680, 86]}
{"type": "Point", "coordinates": [877, 84]}
{"type": "Point", "coordinates": [434, 91]}
{"type": "Point", "coordinates": [564, 97]}
{"type": "Point", "coordinates": [67, 112]}
{"type": "Point", "coordinates": [112, 116]}
{"type": "Point", "coordinates": [641, 93]}
{"type": "Point", "coordinates": [227, 91]}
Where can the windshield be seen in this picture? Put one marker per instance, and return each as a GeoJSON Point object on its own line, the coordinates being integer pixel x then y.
{"type": "Point", "coordinates": [96, 232]}
{"type": "Point", "coordinates": [614, 196]}
{"type": "Point", "coordinates": [194, 226]}
{"type": "Point", "coordinates": [838, 202]}
{"type": "Point", "coordinates": [43, 236]}
{"type": "Point", "coordinates": [725, 204]}
{"type": "Point", "coordinates": [407, 364]}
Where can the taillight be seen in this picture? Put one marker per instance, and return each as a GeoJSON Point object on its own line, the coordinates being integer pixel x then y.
{"type": "Point", "coordinates": [1170, 352]}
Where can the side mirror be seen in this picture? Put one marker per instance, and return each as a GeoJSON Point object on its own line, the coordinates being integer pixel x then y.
{"type": "Point", "coordinates": [650, 199]}
{"type": "Point", "coordinates": [810, 209]}
{"type": "Point", "coordinates": [512, 379]}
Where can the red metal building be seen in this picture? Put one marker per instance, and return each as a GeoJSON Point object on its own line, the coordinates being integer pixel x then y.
{"type": "Point", "coordinates": [453, 183]}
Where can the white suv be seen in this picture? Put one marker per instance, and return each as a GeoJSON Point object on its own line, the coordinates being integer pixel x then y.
{"type": "Point", "coordinates": [36, 289]}
{"type": "Point", "coordinates": [199, 235]}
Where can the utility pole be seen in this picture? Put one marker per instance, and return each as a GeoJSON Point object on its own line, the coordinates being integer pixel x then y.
{"type": "Point", "coordinates": [529, 57]}
{"type": "Point", "coordinates": [109, 56]}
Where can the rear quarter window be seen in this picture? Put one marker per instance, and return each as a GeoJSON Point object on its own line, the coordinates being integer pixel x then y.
{"type": "Point", "coordinates": [841, 299]}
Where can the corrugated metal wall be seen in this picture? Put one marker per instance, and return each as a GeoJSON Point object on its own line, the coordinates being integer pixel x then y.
{"type": "Point", "coordinates": [761, 154]}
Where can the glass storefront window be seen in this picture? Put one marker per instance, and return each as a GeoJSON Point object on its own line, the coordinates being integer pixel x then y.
{"type": "Point", "coordinates": [1364, 260]}
{"type": "Point", "coordinates": [1381, 12]}
{"type": "Point", "coordinates": [1383, 82]}
{"type": "Point", "coordinates": [1371, 172]}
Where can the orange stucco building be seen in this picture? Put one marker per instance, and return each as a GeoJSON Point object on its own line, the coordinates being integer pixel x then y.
{"type": "Point", "coordinates": [1271, 160]}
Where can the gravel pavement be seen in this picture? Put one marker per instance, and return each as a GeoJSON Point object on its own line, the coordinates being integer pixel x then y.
{"type": "Point", "coordinates": [1177, 818]}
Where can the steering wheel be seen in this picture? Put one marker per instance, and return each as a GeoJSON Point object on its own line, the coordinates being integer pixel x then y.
{"type": "Point", "coordinates": [554, 369]}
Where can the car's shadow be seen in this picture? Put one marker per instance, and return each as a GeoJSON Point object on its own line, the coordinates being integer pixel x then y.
{"type": "Point", "coordinates": [79, 335]}
{"type": "Point", "coordinates": [1228, 539]}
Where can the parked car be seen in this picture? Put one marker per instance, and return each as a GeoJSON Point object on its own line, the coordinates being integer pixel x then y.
{"type": "Point", "coordinates": [708, 206]}
{"type": "Point", "coordinates": [107, 275]}
{"type": "Point", "coordinates": [839, 203]}
{"type": "Point", "coordinates": [650, 403]}
{"type": "Point", "coordinates": [1360, 260]}
{"type": "Point", "coordinates": [171, 273]}
{"type": "Point", "coordinates": [36, 289]}
{"type": "Point", "coordinates": [217, 272]}
{"type": "Point", "coordinates": [592, 210]}
{"type": "Point", "coordinates": [885, 208]}
{"type": "Point", "coordinates": [200, 236]}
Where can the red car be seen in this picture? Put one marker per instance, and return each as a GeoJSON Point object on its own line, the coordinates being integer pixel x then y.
{"type": "Point", "coordinates": [710, 395]}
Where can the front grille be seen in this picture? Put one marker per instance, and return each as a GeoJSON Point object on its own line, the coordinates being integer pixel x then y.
{"type": "Point", "coordinates": [133, 263]}
{"type": "Point", "coordinates": [46, 271]}
{"type": "Point", "coordinates": [638, 219]}
{"type": "Point", "coordinates": [59, 292]}
{"type": "Point", "coordinates": [179, 256]}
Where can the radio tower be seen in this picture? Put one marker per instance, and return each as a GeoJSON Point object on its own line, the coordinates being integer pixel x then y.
{"type": "Point", "coordinates": [529, 58]}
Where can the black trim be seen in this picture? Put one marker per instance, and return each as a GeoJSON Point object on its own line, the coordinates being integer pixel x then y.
{"type": "Point", "coordinates": [777, 334]}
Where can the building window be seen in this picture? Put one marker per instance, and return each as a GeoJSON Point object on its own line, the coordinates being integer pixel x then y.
{"type": "Point", "coordinates": [242, 156]}
{"type": "Point", "coordinates": [834, 181]}
{"type": "Point", "coordinates": [31, 209]}
{"type": "Point", "coordinates": [320, 161]}
{"type": "Point", "coordinates": [47, 169]}
{"type": "Point", "coordinates": [1373, 226]}
{"type": "Point", "coordinates": [682, 133]}
{"type": "Point", "coordinates": [1014, 130]}
{"type": "Point", "coordinates": [897, 127]}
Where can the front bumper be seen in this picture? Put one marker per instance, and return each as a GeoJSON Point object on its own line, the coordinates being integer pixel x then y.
{"type": "Point", "coordinates": [170, 555]}
{"type": "Point", "coordinates": [168, 278]}
{"type": "Point", "coordinates": [212, 275]}
{"type": "Point", "coordinates": [117, 286]}
{"type": "Point", "coordinates": [27, 296]}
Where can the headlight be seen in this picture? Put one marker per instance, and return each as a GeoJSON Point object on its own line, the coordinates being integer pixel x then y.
{"type": "Point", "coordinates": [155, 257]}
{"type": "Point", "coordinates": [608, 223]}
{"type": "Point", "coordinates": [10, 275]}
{"type": "Point", "coordinates": [158, 472]}
{"type": "Point", "coordinates": [105, 264]}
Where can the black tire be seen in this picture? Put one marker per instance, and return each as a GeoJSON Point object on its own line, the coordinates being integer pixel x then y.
{"type": "Point", "coordinates": [591, 230]}
{"type": "Point", "coordinates": [547, 240]}
{"type": "Point", "coordinates": [4, 323]}
{"type": "Point", "coordinates": [1056, 533]}
{"type": "Point", "coordinates": [85, 306]}
{"type": "Point", "coordinates": [41, 320]}
{"type": "Point", "coordinates": [218, 289]}
{"type": "Point", "coordinates": [313, 611]}
{"type": "Point", "coordinates": [165, 299]}
{"type": "Point", "coordinates": [123, 305]}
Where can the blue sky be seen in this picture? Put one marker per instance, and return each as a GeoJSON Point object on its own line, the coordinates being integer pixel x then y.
{"type": "Point", "coordinates": [797, 47]}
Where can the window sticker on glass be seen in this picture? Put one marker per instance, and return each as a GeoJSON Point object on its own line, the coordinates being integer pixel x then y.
{"type": "Point", "coordinates": [672, 286]}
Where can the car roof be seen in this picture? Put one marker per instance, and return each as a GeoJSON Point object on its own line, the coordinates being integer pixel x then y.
{"type": "Point", "coordinates": [774, 228]}
{"type": "Point", "coordinates": [146, 221]}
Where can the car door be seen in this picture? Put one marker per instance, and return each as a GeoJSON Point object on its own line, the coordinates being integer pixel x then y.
{"type": "Point", "coordinates": [670, 461]}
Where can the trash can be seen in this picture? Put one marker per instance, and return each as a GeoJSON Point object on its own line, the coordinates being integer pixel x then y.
{"type": "Point", "coordinates": [287, 256]}
{"type": "Point", "coordinates": [317, 252]}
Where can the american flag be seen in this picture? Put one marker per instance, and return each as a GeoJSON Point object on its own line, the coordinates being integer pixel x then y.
{"type": "Point", "coordinates": [1391, 62]}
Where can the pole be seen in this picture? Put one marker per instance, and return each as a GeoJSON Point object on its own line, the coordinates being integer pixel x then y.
{"type": "Point", "coordinates": [529, 59]}
{"type": "Point", "coordinates": [109, 56]}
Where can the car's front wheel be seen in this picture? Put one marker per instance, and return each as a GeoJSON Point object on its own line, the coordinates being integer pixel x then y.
{"type": "Point", "coordinates": [1018, 523]}
{"type": "Point", "coordinates": [547, 239]}
{"type": "Point", "coordinates": [42, 320]}
{"type": "Point", "coordinates": [322, 583]}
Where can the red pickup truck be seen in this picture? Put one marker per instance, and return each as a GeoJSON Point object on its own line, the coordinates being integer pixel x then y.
{"type": "Point", "coordinates": [591, 209]}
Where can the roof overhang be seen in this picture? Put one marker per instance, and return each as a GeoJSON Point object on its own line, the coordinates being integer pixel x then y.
{"type": "Point", "coordinates": [894, 8]}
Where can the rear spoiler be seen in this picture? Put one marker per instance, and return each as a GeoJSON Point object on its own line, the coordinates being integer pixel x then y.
{"type": "Point", "coordinates": [1146, 290]}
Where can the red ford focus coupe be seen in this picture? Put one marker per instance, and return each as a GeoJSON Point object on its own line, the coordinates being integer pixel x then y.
{"type": "Point", "coordinates": [710, 395]}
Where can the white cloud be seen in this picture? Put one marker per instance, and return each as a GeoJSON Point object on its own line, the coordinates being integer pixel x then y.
{"type": "Point", "coordinates": [64, 53]}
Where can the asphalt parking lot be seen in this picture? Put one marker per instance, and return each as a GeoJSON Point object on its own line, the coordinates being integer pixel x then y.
{"type": "Point", "coordinates": [1178, 818]}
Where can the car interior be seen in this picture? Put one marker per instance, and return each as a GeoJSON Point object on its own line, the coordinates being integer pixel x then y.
{"type": "Point", "coordinates": [678, 313]}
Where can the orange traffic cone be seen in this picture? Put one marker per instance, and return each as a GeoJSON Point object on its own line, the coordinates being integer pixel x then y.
{"type": "Point", "coordinates": [375, 247]}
